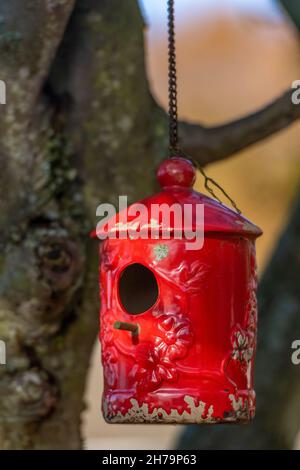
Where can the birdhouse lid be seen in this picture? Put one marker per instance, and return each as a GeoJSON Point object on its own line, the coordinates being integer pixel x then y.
{"type": "Point", "coordinates": [176, 176]}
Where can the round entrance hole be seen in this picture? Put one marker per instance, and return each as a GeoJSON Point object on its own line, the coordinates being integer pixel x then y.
{"type": "Point", "coordinates": [138, 289]}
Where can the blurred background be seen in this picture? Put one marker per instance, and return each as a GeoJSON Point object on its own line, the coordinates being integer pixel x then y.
{"type": "Point", "coordinates": [233, 57]}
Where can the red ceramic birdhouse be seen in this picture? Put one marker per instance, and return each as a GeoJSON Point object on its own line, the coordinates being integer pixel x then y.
{"type": "Point", "coordinates": [178, 321]}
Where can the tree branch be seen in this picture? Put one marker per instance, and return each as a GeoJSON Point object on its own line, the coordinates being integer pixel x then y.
{"type": "Point", "coordinates": [210, 144]}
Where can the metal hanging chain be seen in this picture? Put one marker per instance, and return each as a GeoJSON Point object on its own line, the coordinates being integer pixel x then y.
{"type": "Point", "coordinates": [173, 113]}
{"type": "Point", "coordinates": [173, 117]}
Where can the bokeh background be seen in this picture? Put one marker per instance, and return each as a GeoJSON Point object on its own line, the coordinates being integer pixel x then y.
{"type": "Point", "coordinates": [233, 57]}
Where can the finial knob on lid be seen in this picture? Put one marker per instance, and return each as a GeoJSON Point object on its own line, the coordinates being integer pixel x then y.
{"type": "Point", "coordinates": [176, 171]}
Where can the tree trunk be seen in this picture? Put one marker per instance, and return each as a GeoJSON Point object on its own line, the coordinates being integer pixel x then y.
{"type": "Point", "coordinates": [72, 135]}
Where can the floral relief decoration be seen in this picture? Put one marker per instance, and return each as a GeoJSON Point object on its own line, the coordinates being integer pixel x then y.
{"type": "Point", "coordinates": [109, 352]}
{"type": "Point", "coordinates": [156, 361]}
{"type": "Point", "coordinates": [189, 276]}
{"type": "Point", "coordinates": [243, 347]}
{"type": "Point", "coordinates": [244, 339]}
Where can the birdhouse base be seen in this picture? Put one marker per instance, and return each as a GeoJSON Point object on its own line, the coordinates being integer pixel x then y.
{"type": "Point", "coordinates": [170, 408]}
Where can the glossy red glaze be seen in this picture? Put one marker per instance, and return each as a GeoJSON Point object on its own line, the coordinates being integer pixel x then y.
{"type": "Point", "coordinates": [176, 171]}
{"type": "Point", "coordinates": [193, 357]}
